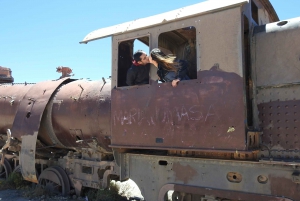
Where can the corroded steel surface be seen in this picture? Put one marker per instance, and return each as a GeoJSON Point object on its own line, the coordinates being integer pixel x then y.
{"type": "Point", "coordinates": [10, 98]}
{"type": "Point", "coordinates": [29, 108]}
{"type": "Point", "coordinates": [81, 112]}
{"type": "Point", "coordinates": [232, 195]}
{"type": "Point", "coordinates": [29, 114]}
{"type": "Point", "coordinates": [203, 117]}
{"type": "Point", "coordinates": [280, 123]}
{"type": "Point", "coordinates": [27, 157]}
{"type": "Point", "coordinates": [5, 75]}
{"type": "Point", "coordinates": [285, 186]}
{"type": "Point", "coordinates": [27, 122]}
{"type": "Point", "coordinates": [207, 113]}
{"type": "Point", "coordinates": [257, 180]}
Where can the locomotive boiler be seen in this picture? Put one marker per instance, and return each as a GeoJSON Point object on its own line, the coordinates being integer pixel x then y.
{"type": "Point", "coordinates": [228, 133]}
{"type": "Point", "coordinates": [35, 121]}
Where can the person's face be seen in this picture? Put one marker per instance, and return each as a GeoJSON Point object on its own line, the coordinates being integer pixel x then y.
{"type": "Point", "coordinates": [144, 59]}
{"type": "Point", "coordinates": [152, 61]}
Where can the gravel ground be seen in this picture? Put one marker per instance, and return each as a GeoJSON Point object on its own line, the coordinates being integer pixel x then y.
{"type": "Point", "coordinates": [128, 189]}
{"type": "Point", "coordinates": [15, 195]}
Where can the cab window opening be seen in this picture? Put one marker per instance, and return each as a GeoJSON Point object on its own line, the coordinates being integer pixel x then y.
{"type": "Point", "coordinates": [125, 56]}
{"type": "Point", "coordinates": [182, 43]}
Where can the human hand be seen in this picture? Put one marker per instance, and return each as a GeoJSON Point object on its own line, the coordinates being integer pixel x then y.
{"type": "Point", "coordinates": [175, 82]}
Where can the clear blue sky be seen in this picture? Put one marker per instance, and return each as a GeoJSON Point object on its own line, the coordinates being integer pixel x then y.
{"type": "Point", "coordinates": [37, 36]}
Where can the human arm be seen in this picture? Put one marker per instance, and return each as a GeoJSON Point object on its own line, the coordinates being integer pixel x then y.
{"type": "Point", "coordinates": [173, 78]}
{"type": "Point", "coordinates": [181, 74]}
{"type": "Point", "coordinates": [175, 82]}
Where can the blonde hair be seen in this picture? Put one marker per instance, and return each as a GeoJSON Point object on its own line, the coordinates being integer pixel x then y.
{"type": "Point", "coordinates": [167, 61]}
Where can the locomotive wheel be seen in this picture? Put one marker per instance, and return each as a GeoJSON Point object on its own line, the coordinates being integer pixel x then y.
{"type": "Point", "coordinates": [18, 170]}
{"type": "Point", "coordinates": [54, 179]}
{"type": "Point", "coordinates": [176, 196]}
{"type": "Point", "coordinates": [5, 170]}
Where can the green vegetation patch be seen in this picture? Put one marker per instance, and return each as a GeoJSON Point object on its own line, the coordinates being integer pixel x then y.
{"type": "Point", "coordinates": [14, 181]}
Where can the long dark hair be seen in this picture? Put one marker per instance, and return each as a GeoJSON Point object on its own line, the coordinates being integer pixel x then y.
{"type": "Point", "coordinates": [166, 61]}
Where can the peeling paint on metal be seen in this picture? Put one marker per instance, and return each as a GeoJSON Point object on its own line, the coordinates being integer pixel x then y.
{"type": "Point", "coordinates": [184, 173]}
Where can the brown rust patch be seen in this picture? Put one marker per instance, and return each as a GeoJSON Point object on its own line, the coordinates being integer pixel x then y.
{"type": "Point", "coordinates": [279, 121]}
{"type": "Point", "coordinates": [194, 115]}
{"type": "Point", "coordinates": [5, 75]}
{"type": "Point", "coordinates": [227, 194]}
{"type": "Point", "coordinates": [90, 111]}
{"type": "Point", "coordinates": [29, 114]}
{"type": "Point", "coordinates": [281, 186]}
{"type": "Point", "coordinates": [184, 173]}
{"type": "Point", "coordinates": [10, 98]}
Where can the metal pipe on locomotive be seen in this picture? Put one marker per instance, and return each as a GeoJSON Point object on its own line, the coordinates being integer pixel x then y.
{"type": "Point", "coordinates": [231, 132]}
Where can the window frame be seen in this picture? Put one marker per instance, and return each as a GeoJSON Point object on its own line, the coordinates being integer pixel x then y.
{"type": "Point", "coordinates": [116, 41]}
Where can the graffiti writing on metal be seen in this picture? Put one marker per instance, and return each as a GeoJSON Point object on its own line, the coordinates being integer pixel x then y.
{"type": "Point", "coordinates": [163, 115]}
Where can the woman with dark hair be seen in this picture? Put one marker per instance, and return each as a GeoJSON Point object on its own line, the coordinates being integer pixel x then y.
{"type": "Point", "coordinates": [169, 68]}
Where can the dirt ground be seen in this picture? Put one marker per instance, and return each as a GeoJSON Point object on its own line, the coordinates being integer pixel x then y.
{"type": "Point", "coordinates": [15, 195]}
{"type": "Point", "coordinates": [129, 189]}
{"type": "Point", "coordinates": [18, 195]}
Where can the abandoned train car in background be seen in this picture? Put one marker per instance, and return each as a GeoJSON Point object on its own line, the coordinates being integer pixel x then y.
{"type": "Point", "coordinates": [229, 133]}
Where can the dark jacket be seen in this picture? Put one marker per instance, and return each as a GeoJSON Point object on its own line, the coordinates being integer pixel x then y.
{"type": "Point", "coordinates": [137, 75]}
{"type": "Point", "coordinates": [169, 76]}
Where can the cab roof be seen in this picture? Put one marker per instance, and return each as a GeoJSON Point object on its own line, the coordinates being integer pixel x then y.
{"type": "Point", "coordinates": [181, 13]}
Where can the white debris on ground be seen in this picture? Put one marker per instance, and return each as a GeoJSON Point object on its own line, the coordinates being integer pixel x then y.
{"type": "Point", "coordinates": [129, 189]}
{"type": "Point", "coordinates": [132, 192]}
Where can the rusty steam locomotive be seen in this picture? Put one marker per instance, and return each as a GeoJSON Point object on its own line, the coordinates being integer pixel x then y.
{"type": "Point", "coordinates": [229, 133]}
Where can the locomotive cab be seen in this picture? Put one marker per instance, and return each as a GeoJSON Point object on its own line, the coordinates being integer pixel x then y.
{"type": "Point", "coordinates": [212, 110]}
{"type": "Point", "coordinates": [228, 133]}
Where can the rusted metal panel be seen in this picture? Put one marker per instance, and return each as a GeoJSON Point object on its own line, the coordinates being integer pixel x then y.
{"type": "Point", "coordinates": [277, 71]}
{"type": "Point", "coordinates": [287, 186]}
{"type": "Point", "coordinates": [224, 44]}
{"type": "Point", "coordinates": [27, 122]}
{"type": "Point", "coordinates": [280, 92]}
{"type": "Point", "coordinates": [88, 103]}
{"type": "Point", "coordinates": [5, 75]}
{"type": "Point", "coordinates": [258, 180]}
{"type": "Point", "coordinates": [280, 124]}
{"type": "Point", "coordinates": [29, 114]}
{"type": "Point", "coordinates": [27, 157]}
{"type": "Point", "coordinates": [207, 113]}
{"type": "Point", "coordinates": [275, 63]}
{"type": "Point", "coordinates": [10, 99]}
{"type": "Point", "coordinates": [232, 195]}
{"type": "Point", "coordinates": [277, 53]}
{"type": "Point", "coordinates": [89, 173]}
{"type": "Point", "coordinates": [216, 154]}
{"type": "Point", "coordinates": [253, 139]}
